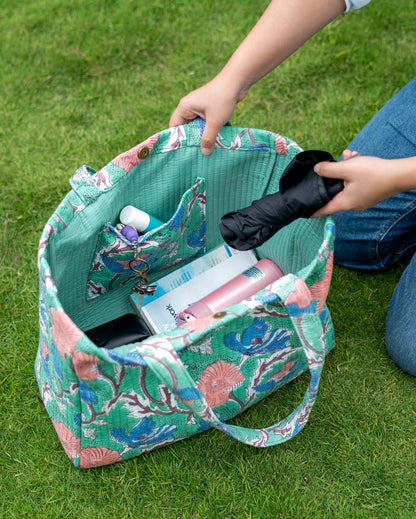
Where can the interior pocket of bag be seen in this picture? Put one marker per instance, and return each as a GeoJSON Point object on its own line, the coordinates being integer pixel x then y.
{"type": "Point", "coordinates": [118, 261]}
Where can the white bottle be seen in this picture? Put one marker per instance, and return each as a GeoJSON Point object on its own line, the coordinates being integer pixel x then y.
{"type": "Point", "coordinates": [138, 219]}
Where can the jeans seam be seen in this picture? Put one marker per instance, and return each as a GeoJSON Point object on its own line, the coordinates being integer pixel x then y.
{"type": "Point", "coordinates": [395, 127]}
{"type": "Point", "coordinates": [383, 233]}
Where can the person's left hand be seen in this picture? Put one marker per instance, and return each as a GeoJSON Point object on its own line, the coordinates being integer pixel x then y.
{"type": "Point", "coordinates": [214, 102]}
{"type": "Point", "coordinates": [367, 181]}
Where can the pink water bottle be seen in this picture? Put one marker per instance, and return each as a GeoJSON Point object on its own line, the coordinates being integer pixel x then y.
{"type": "Point", "coordinates": [246, 284]}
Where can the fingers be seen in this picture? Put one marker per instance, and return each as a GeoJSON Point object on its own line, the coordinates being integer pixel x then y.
{"type": "Point", "coordinates": [209, 137]}
{"type": "Point", "coordinates": [339, 169]}
{"type": "Point", "coordinates": [214, 102]}
{"type": "Point", "coordinates": [182, 115]}
{"type": "Point", "coordinates": [176, 119]}
{"type": "Point", "coordinates": [210, 133]}
{"type": "Point", "coordinates": [347, 154]}
{"type": "Point", "coordinates": [212, 128]}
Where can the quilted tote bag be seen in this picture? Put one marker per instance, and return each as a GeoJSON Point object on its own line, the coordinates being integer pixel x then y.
{"type": "Point", "coordinates": [109, 405]}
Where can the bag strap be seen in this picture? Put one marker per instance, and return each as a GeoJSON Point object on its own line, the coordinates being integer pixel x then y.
{"type": "Point", "coordinates": [165, 363]}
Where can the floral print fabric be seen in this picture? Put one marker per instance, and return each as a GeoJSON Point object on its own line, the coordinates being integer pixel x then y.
{"type": "Point", "coordinates": [111, 405]}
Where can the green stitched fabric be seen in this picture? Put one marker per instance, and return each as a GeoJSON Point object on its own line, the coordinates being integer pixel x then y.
{"type": "Point", "coordinates": [110, 405]}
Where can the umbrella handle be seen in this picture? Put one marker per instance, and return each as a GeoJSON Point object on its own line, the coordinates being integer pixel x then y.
{"type": "Point", "coordinates": [160, 356]}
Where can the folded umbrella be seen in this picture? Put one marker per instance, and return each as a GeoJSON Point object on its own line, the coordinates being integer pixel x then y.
{"type": "Point", "coordinates": [301, 193]}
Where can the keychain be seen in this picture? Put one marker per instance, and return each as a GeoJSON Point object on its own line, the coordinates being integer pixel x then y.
{"type": "Point", "coordinates": [142, 286]}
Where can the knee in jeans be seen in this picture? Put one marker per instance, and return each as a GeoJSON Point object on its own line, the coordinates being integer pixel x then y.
{"type": "Point", "coordinates": [401, 346]}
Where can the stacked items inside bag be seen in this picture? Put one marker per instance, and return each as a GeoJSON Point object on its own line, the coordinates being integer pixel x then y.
{"type": "Point", "coordinates": [205, 286]}
{"type": "Point", "coordinates": [226, 275]}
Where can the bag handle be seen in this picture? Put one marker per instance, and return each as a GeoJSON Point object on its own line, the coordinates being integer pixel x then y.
{"type": "Point", "coordinates": [160, 356]}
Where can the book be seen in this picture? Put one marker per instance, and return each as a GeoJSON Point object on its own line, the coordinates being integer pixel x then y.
{"type": "Point", "coordinates": [181, 288]}
{"type": "Point", "coordinates": [185, 273]}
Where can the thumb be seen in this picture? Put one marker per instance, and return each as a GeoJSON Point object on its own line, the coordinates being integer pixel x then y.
{"type": "Point", "coordinates": [335, 205]}
{"type": "Point", "coordinates": [329, 169]}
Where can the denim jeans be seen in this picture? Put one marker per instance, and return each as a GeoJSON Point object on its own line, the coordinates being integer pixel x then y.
{"type": "Point", "coordinates": [382, 235]}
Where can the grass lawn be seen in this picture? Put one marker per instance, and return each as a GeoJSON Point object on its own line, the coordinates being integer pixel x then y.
{"type": "Point", "coordinates": [82, 81]}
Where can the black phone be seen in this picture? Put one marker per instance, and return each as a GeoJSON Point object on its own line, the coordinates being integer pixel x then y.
{"type": "Point", "coordinates": [124, 330]}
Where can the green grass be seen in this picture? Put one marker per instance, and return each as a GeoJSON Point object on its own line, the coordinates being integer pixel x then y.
{"type": "Point", "coordinates": [81, 82]}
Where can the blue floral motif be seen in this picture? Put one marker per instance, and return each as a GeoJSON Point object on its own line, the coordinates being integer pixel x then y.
{"type": "Point", "coordinates": [114, 266]}
{"type": "Point", "coordinates": [45, 360]}
{"type": "Point", "coordinates": [177, 218]}
{"type": "Point", "coordinates": [258, 339]}
{"type": "Point", "coordinates": [295, 310]}
{"type": "Point", "coordinates": [127, 359]}
{"type": "Point", "coordinates": [46, 367]}
{"type": "Point", "coordinates": [272, 383]}
{"type": "Point", "coordinates": [315, 377]}
{"type": "Point", "coordinates": [204, 426]}
{"type": "Point", "coordinates": [144, 433]}
{"type": "Point", "coordinates": [43, 313]}
{"type": "Point", "coordinates": [87, 394]}
{"type": "Point", "coordinates": [298, 427]}
{"type": "Point", "coordinates": [325, 316]}
{"type": "Point", "coordinates": [200, 124]}
{"type": "Point", "coordinates": [196, 239]}
{"type": "Point", "coordinates": [188, 393]}
{"type": "Point", "coordinates": [267, 386]}
{"type": "Point", "coordinates": [314, 384]}
{"type": "Point", "coordinates": [266, 298]}
{"type": "Point", "coordinates": [259, 147]}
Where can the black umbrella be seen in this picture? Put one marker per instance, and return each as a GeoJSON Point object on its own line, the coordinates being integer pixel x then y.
{"type": "Point", "coordinates": [301, 193]}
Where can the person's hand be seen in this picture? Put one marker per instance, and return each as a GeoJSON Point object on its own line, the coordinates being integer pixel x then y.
{"type": "Point", "coordinates": [367, 181]}
{"type": "Point", "coordinates": [214, 102]}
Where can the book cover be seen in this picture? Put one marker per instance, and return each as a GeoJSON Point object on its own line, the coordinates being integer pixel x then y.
{"type": "Point", "coordinates": [184, 274]}
{"type": "Point", "coordinates": [161, 313]}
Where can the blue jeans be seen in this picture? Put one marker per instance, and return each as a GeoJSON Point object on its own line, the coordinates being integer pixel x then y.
{"type": "Point", "coordinates": [382, 235]}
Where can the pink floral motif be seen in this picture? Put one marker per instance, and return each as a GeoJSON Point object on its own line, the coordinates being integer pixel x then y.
{"type": "Point", "coordinates": [280, 145]}
{"type": "Point", "coordinates": [218, 380]}
{"type": "Point", "coordinates": [70, 442]}
{"type": "Point", "coordinates": [103, 179]}
{"type": "Point", "coordinates": [320, 289]}
{"type": "Point", "coordinates": [284, 371]}
{"type": "Point", "coordinates": [65, 333]}
{"type": "Point", "coordinates": [97, 456]}
{"type": "Point", "coordinates": [302, 296]}
{"type": "Point", "coordinates": [130, 158]}
{"type": "Point", "coordinates": [85, 365]}
{"type": "Point", "coordinates": [45, 349]}
{"type": "Point", "coordinates": [199, 325]}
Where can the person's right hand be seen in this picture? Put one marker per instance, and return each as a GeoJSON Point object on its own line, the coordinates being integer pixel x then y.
{"type": "Point", "coordinates": [367, 180]}
{"type": "Point", "coordinates": [215, 102]}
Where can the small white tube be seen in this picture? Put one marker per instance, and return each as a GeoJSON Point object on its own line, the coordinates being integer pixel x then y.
{"type": "Point", "coordinates": [138, 219]}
